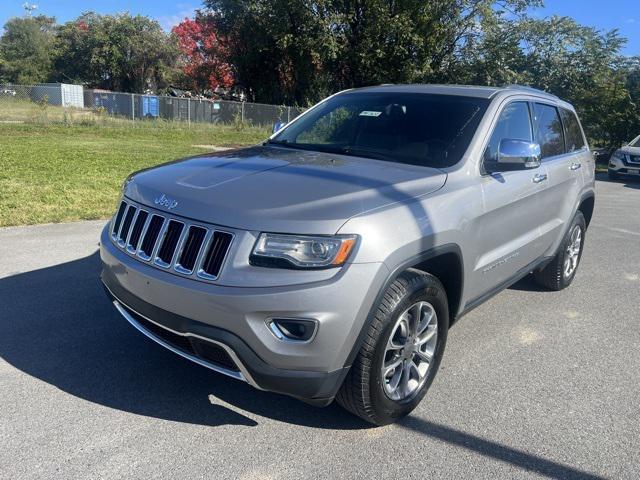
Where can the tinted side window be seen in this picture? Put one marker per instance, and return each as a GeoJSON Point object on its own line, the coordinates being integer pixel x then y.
{"type": "Point", "coordinates": [514, 124]}
{"type": "Point", "coordinates": [549, 127]}
{"type": "Point", "coordinates": [572, 132]}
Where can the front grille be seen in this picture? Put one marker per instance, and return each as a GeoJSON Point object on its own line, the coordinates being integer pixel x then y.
{"type": "Point", "coordinates": [191, 249]}
{"type": "Point", "coordinates": [126, 224]}
{"type": "Point", "coordinates": [634, 159]}
{"type": "Point", "coordinates": [151, 237]}
{"type": "Point", "coordinates": [136, 232]}
{"type": "Point", "coordinates": [211, 352]}
{"type": "Point", "coordinates": [171, 243]}
{"type": "Point", "coordinates": [118, 220]}
{"type": "Point", "coordinates": [215, 255]}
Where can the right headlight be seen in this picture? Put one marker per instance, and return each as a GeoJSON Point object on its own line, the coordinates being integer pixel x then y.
{"type": "Point", "coordinates": [302, 251]}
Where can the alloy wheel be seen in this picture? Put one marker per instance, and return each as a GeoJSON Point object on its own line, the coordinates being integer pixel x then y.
{"type": "Point", "coordinates": [409, 351]}
{"type": "Point", "coordinates": [572, 256]}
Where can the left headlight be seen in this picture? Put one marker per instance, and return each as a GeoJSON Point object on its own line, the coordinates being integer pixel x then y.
{"type": "Point", "coordinates": [302, 251]}
{"type": "Point", "coordinates": [618, 155]}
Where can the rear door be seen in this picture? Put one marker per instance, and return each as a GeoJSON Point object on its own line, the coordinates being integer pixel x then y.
{"type": "Point", "coordinates": [507, 237]}
{"type": "Point", "coordinates": [562, 160]}
{"type": "Point", "coordinates": [583, 160]}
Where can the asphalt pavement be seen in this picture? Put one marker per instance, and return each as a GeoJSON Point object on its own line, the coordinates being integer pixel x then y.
{"type": "Point", "coordinates": [533, 384]}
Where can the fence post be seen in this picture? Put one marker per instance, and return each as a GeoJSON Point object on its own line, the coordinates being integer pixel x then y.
{"type": "Point", "coordinates": [133, 108]}
{"type": "Point", "coordinates": [242, 112]}
{"type": "Point", "coordinates": [288, 114]}
{"type": "Point", "coordinates": [189, 111]}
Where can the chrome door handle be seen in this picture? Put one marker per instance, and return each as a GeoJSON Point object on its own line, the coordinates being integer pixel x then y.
{"type": "Point", "coordinates": [575, 166]}
{"type": "Point", "coordinates": [540, 177]}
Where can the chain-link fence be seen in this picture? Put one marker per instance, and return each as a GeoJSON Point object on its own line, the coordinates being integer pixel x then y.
{"type": "Point", "coordinates": [21, 102]}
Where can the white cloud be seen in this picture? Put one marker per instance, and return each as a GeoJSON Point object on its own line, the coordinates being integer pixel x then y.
{"type": "Point", "coordinates": [630, 20]}
{"type": "Point", "coordinates": [185, 10]}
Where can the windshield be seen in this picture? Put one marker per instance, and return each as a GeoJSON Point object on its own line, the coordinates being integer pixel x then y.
{"type": "Point", "coordinates": [635, 142]}
{"type": "Point", "coordinates": [418, 129]}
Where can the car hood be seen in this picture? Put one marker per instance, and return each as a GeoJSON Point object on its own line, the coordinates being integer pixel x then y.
{"type": "Point", "coordinates": [276, 189]}
{"type": "Point", "coordinates": [630, 150]}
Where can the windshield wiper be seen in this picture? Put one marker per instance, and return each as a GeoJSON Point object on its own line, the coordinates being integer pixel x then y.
{"type": "Point", "coordinates": [282, 143]}
{"type": "Point", "coordinates": [366, 153]}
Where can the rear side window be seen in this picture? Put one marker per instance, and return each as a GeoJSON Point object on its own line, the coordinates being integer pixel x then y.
{"type": "Point", "coordinates": [514, 124]}
{"type": "Point", "coordinates": [572, 132]}
{"type": "Point", "coordinates": [549, 128]}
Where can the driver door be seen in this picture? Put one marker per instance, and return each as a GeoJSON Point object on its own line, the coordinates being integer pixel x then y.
{"type": "Point", "coordinates": [507, 236]}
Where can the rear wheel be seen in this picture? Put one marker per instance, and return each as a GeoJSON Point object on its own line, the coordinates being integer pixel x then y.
{"type": "Point", "coordinates": [402, 351]}
{"type": "Point", "coordinates": [561, 271]}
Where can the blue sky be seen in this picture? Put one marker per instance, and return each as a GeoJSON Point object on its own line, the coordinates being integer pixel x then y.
{"type": "Point", "coordinates": [621, 14]}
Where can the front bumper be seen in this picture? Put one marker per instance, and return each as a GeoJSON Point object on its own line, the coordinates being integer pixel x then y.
{"type": "Point", "coordinates": [193, 317]}
{"type": "Point", "coordinates": [623, 167]}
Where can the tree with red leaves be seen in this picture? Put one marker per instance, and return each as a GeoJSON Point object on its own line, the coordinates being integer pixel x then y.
{"type": "Point", "coordinates": [204, 54]}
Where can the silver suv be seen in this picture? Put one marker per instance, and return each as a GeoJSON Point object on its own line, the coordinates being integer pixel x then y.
{"type": "Point", "coordinates": [330, 261]}
{"type": "Point", "coordinates": [626, 160]}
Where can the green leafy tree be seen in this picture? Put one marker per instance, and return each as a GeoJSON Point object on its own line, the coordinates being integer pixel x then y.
{"type": "Point", "coordinates": [117, 52]}
{"type": "Point", "coordinates": [584, 66]}
{"type": "Point", "coordinates": [278, 48]}
{"type": "Point", "coordinates": [300, 50]}
{"type": "Point", "coordinates": [25, 49]}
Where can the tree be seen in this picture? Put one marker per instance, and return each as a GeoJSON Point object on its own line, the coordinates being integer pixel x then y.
{"type": "Point", "coordinates": [117, 52]}
{"type": "Point", "coordinates": [585, 67]}
{"type": "Point", "coordinates": [204, 54]}
{"type": "Point", "coordinates": [278, 47]}
{"type": "Point", "coordinates": [300, 50]}
{"type": "Point", "coordinates": [25, 49]}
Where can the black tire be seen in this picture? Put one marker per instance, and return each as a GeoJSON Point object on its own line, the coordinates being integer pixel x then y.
{"type": "Point", "coordinates": [613, 175]}
{"type": "Point", "coordinates": [362, 392]}
{"type": "Point", "coordinates": [553, 275]}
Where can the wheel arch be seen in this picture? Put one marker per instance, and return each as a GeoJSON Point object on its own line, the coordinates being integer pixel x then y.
{"type": "Point", "coordinates": [586, 206]}
{"type": "Point", "coordinates": [437, 258]}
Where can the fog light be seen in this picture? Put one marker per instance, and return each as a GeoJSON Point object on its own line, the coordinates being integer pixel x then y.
{"type": "Point", "coordinates": [293, 329]}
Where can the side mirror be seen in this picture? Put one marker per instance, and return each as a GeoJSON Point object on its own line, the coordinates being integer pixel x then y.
{"type": "Point", "coordinates": [278, 125]}
{"type": "Point", "coordinates": [515, 155]}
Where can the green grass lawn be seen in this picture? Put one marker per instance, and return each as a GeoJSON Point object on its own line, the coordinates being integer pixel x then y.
{"type": "Point", "coordinates": [57, 172]}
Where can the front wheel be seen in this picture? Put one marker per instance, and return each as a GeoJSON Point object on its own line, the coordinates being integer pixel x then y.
{"type": "Point", "coordinates": [402, 351]}
{"type": "Point", "coordinates": [560, 272]}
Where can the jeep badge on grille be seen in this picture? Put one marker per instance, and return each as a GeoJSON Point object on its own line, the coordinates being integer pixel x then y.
{"type": "Point", "coordinates": [164, 201]}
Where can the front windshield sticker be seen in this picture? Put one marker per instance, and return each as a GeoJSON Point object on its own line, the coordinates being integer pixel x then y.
{"type": "Point", "coordinates": [368, 113]}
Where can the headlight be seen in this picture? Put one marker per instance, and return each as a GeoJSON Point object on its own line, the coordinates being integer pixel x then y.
{"type": "Point", "coordinates": [618, 155]}
{"type": "Point", "coordinates": [302, 251]}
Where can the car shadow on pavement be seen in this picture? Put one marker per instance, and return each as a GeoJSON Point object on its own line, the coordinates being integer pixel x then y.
{"type": "Point", "coordinates": [57, 325]}
{"type": "Point", "coordinates": [523, 460]}
{"type": "Point", "coordinates": [629, 181]}
{"type": "Point", "coordinates": [528, 284]}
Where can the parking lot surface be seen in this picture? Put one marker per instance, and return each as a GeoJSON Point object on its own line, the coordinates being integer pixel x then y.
{"type": "Point", "coordinates": [533, 384]}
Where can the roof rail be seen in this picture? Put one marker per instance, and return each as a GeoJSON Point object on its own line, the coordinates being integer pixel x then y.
{"type": "Point", "coordinates": [530, 89]}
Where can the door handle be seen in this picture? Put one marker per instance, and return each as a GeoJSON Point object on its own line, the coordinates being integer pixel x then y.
{"type": "Point", "coordinates": [539, 177]}
{"type": "Point", "coordinates": [575, 166]}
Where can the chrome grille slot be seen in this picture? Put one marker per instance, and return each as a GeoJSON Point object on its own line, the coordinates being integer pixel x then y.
{"type": "Point", "coordinates": [191, 249]}
{"type": "Point", "coordinates": [118, 220]}
{"type": "Point", "coordinates": [136, 231]}
{"type": "Point", "coordinates": [194, 250]}
{"type": "Point", "coordinates": [150, 237]}
{"type": "Point", "coordinates": [164, 257]}
{"type": "Point", "coordinates": [126, 225]}
{"type": "Point", "coordinates": [216, 253]}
